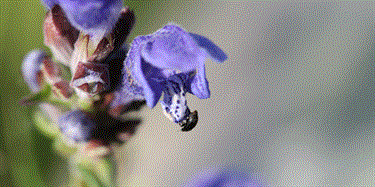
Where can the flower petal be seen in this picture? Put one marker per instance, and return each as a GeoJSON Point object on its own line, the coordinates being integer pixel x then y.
{"type": "Point", "coordinates": [213, 50]}
{"type": "Point", "coordinates": [172, 48]}
{"type": "Point", "coordinates": [141, 73]}
{"type": "Point", "coordinates": [150, 78]}
{"type": "Point", "coordinates": [199, 83]}
{"type": "Point", "coordinates": [94, 17]}
{"type": "Point", "coordinates": [31, 69]}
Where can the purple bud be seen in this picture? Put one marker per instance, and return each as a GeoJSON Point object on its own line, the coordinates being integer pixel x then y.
{"type": "Point", "coordinates": [31, 69]}
{"type": "Point", "coordinates": [76, 126]}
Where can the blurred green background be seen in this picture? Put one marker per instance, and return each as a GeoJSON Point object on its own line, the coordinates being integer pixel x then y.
{"type": "Point", "coordinates": [294, 103]}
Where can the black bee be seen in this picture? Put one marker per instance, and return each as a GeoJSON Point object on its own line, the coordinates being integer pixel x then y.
{"type": "Point", "coordinates": [190, 122]}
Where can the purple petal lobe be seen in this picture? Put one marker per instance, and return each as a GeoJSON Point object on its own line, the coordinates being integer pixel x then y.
{"type": "Point", "coordinates": [31, 69]}
{"type": "Point", "coordinates": [172, 48]}
{"type": "Point", "coordinates": [214, 51]}
{"type": "Point", "coordinates": [199, 84]}
{"type": "Point", "coordinates": [129, 89]}
{"type": "Point", "coordinates": [148, 77]}
{"type": "Point", "coordinates": [153, 59]}
{"type": "Point", "coordinates": [94, 17]}
{"type": "Point", "coordinates": [140, 73]}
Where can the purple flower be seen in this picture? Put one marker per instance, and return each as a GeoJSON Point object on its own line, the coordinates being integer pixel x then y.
{"type": "Point", "coordinates": [221, 178]}
{"type": "Point", "coordinates": [169, 61]}
{"type": "Point", "coordinates": [93, 17]}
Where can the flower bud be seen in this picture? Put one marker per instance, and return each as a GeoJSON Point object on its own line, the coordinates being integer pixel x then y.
{"type": "Point", "coordinates": [76, 125]}
{"type": "Point", "coordinates": [31, 69]}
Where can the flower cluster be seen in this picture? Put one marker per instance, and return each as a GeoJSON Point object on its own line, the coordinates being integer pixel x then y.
{"type": "Point", "coordinates": [95, 78]}
{"type": "Point", "coordinates": [92, 78]}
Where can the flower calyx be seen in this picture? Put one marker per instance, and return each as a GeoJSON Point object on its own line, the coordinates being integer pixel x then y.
{"type": "Point", "coordinates": [90, 78]}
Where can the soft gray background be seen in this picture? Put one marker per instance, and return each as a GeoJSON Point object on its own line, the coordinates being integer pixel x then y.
{"type": "Point", "coordinates": [294, 103]}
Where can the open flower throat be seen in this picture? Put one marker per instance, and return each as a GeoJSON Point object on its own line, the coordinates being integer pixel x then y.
{"type": "Point", "coordinates": [99, 78]}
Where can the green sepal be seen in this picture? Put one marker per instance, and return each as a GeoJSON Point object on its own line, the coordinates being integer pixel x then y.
{"type": "Point", "coordinates": [105, 170]}
{"type": "Point", "coordinates": [45, 124]}
{"type": "Point", "coordinates": [38, 97]}
{"type": "Point", "coordinates": [97, 171]}
{"type": "Point", "coordinates": [89, 176]}
{"type": "Point", "coordinates": [62, 147]}
{"type": "Point", "coordinates": [46, 95]}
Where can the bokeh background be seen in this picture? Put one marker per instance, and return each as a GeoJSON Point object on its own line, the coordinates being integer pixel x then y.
{"type": "Point", "coordinates": [293, 105]}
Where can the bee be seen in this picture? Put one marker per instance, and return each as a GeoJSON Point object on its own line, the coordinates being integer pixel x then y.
{"type": "Point", "coordinates": [190, 122]}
